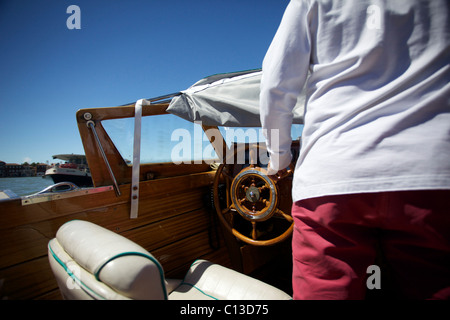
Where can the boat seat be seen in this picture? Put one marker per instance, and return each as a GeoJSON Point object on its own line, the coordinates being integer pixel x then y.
{"type": "Point", "coordinates": [93, 263]}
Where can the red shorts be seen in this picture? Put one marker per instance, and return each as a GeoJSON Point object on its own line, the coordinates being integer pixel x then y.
{"type": "Point", "coordinates": [337, 238]}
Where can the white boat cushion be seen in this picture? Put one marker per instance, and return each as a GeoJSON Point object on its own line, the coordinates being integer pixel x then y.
{"type": "Point", "coordinates": [208, 281]}
{"type": "Point", "coordinates": [91, 262]}
{"type": "Point", "coordinates": [112, 259]}
{"type": "Point", "coordinates": [76, 283]}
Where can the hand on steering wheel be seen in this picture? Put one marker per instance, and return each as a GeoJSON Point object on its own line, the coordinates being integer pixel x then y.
{"type": "Point", "coordinates": [254, 196]}
{"type": "Point", "coordinates": [281, 174]}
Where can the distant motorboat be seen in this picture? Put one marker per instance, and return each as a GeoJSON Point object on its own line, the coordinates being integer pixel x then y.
{"type": "Point", "coordinates": [75, 170]}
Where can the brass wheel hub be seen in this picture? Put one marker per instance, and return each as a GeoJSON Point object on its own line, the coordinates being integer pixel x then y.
{"type": "Point", "coordinates": [254, 195]}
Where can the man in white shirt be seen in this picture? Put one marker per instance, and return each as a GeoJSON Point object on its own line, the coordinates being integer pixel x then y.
{"type": "Point", "coordinates": [374, 163]}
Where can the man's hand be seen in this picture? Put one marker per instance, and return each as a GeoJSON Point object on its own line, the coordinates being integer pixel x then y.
{"type": "Point", "coordinates": [279, 175]}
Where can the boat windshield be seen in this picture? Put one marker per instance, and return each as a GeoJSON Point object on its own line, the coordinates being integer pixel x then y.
{"type": "Point", "coordinates": [164, 138]}
{"type": "Point", "coordinates": [169, 138]}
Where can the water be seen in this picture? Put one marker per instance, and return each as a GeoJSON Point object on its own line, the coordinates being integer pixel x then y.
{"type": "Point", "coordinates": [25, 185]}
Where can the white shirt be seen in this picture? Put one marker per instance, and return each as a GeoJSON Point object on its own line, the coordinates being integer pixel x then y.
{"type": "Point", "coordinates": [377, 111]}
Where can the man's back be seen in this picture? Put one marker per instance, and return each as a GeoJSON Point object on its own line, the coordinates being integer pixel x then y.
{"type": "Point", "coordinates": [374, 165]}
{"type": "Point", "coordinates": [378, 114]}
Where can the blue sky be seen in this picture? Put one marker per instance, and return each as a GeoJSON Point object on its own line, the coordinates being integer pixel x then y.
{"type": "Point", "coordinates": [125, 50]}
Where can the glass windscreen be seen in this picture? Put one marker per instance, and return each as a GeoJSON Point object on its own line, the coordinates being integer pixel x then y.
{"type": "Point", "coordinates": [168, 138]}
{"type": "Point", "coordinates": [164, 138]}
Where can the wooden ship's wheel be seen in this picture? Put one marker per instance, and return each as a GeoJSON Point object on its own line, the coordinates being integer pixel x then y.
{"type": "Point", "coordinates": [252, 203]}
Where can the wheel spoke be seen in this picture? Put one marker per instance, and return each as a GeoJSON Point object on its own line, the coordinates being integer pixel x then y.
{"type": "Point", "coordinates": [228, 214]}
{"type": "Point", "coordinates": [227, 175]}
{"type": "Point", "coordinates": [281, 214]}
{"type": "Point", "coordinates": [254, 230]}
{"type": "Point", "coordinates": [253, 157]}
{"type": "Point", "coordinates": [228, 193]}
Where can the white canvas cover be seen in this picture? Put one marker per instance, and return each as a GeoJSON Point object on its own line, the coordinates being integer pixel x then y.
{"type": "Point", "coordinates": [230, 99]}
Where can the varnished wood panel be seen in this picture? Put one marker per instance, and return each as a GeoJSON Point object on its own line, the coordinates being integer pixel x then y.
{"type": "Point", "coordinates": [182, 253]}
{"type": "Point", "coordinates": [13, 214]}
{"type": "Point", "coordinates": [161, 233]}
{"type": "Point", "coordinates": [21, 244]}
{"type": "Point", "coordinates": [27, 280]}
{"type": "Point", "coordinates": [29, 241]}
{"type": "Point", "coordinates": [173, 224]}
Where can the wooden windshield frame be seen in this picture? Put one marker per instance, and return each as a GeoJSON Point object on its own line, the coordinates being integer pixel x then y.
{"type": "Point", "coordinates": [121, 170]}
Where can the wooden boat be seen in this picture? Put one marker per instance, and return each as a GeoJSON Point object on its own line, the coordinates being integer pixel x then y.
{"type": "Point", "coordinates": [214, 208]}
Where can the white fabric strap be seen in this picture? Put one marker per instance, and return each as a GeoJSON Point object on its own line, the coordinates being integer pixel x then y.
{"type": "Point", "coordinates": [136, 157]}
